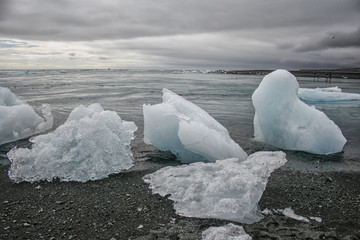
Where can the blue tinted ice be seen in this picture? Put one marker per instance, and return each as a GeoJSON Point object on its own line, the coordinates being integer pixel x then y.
{"type": "Point", "coordinates": [90, 145]}
{"type": "Point", "coordinates": [227, 189]}
{"type": "Point", "coordinates": [187, 131]}
{"type": "Point", "coordinates": [284, 121]}
{"type": "Point", "coordinates": [18, 120]}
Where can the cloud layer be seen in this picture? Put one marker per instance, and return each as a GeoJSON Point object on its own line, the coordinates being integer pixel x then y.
{"type": "Point", "coordinates": [226, 33]}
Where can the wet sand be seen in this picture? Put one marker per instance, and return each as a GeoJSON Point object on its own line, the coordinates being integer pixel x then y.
{"type": "Point", "coordinates": [123, 207]}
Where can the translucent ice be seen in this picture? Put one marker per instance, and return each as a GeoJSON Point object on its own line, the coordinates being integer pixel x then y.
{"type": "Point", "coordinates": [228, 232]}
{"type": "Point", "coordinates": [187, 131]}
{"type": "Point", "coordinates": [288, 212]}
{"type": "Point", "coordinates": [227, 189]}
{"type": "Point", "coordinates": [18, 120]}
{"type": "Point", "coordinates": [283, 120]}
{"type": "Point", "coordinates": [331, 94]}
{"type": "Point", "coordinates": [90, 145]}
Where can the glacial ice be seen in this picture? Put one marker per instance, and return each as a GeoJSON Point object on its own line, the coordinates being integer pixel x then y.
{"type": "Point", "coordinates": [227, 189]}
{"type": "Point", "coordinates": [284, 121]}
{"type": "Point", "coordinates": [90, 145]}
{"type": "Point", "coordinates": [330, 94]}
{"type": "Point", "coordinates": [228, 232]}
{"type": "Point", "coordinates": [18, 120]}
{"type": "Point", "coordinates": [290, 213]}
{"type": "Point", "coordinates": [186, 130]}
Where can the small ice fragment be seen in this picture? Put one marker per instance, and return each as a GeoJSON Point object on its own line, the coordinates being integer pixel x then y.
{"type": "Point", "coordinates": [228, 232]}
{"type": "Point", "coordinates": [318, 219]}
{"type": "Point", "coordinates": [288, 212]}
{"type": "Point", "coordinates": [330, 94]}
{"type": "Point", "coordinates": [266, 211]}
{"type": "Point", "coordinates": [40, 210]}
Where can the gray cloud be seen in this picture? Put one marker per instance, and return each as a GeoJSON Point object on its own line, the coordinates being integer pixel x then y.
{"type": "Point", "coordinates": [3, 8]}
{"type": "Point", "coordinates": [332, 40]}
{"type": "Point", "coordinates": [92, 20]}
{"type": "Point", "coordinates": [243, 33]}
{"type": "Point", "coordinates": [15, 44]}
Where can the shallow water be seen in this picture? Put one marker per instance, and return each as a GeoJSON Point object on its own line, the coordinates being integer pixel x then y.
{"type": "Point", "coordinates": [225, 97]}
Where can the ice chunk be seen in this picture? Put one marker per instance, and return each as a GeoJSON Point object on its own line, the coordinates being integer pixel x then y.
{"type": "Point", "coordinates": [283, 120]}
{"type": "Point", "coordinates": [331, 94]}
{"type": "Point", "coordinates": [227, 189]}
{"type": "Point", "coordinates": [90, 145]}
{"type": "Point", "coordinates": [288, 212]}
{"type": "Point", "coordinates": [187, 131]}
{"type": "Point", "coordinates": [318, 219]}
{"type": "Point", "coordinates": [18, 120]}
{"type": "Point", "coordinates": [7, 98]}
{"type": "Point", "coordinates": [228, 232]}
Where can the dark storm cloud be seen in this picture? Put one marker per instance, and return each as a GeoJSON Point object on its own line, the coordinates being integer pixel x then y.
{"type": "Point", "coordinates": [91, 20]}
{"type": "Point", "coordinates": [244, 33]}
{"type": "Point", "coordinates": [3, 8]}
{"type": "Point", "coordinates": [333, 40]}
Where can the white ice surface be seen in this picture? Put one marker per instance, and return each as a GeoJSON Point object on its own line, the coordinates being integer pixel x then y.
{"type": "Point", "coordinates": [227, 232]}
{"type": "Point", "coordinates": [284, 121]}
{"type": "Point", "coordinates": [318, 219]}
{"type": "Point", "coordinates": [186, 130]}
{"type": "Point", "coordinates": [330, 94]}
{"type": "Point", "coordinates": [18, 120]}
{"type": "Point", "coordinates": [290, 213]}
{"type": "Point", "coordinates": [90, 145]}
{"type": "Point", "coordinates": [227, 189]}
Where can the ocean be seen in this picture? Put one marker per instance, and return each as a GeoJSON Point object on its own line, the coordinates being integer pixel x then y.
{"type": "Point", "coordinates": [226, 97]}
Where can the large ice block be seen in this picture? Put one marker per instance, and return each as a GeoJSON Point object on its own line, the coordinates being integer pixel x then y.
{"type": "Point", "coordinates": [227, 189]}
{"type": "Point", "coordinates": [284, 121]}
{"type": "Point", "coordinates": [90, 145]}
{"type": "Point", "coordinates": [186, 130]}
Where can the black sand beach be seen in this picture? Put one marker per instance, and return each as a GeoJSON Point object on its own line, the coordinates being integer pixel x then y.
{"type": "Point", "coordinates": [123, 207]}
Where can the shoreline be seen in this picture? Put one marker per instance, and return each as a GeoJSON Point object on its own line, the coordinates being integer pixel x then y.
{"type": "Point", "coordinates": [123, 207]}
{"type": "Point", "coordinates": [353, 73]}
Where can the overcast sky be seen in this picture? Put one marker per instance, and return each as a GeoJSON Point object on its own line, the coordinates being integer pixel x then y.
{"type": "Point", "coordinates": [203, 34]}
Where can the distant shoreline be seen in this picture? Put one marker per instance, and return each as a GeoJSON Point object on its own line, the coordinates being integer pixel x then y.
{"type": "Point", "coordinates": [353, 73]}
